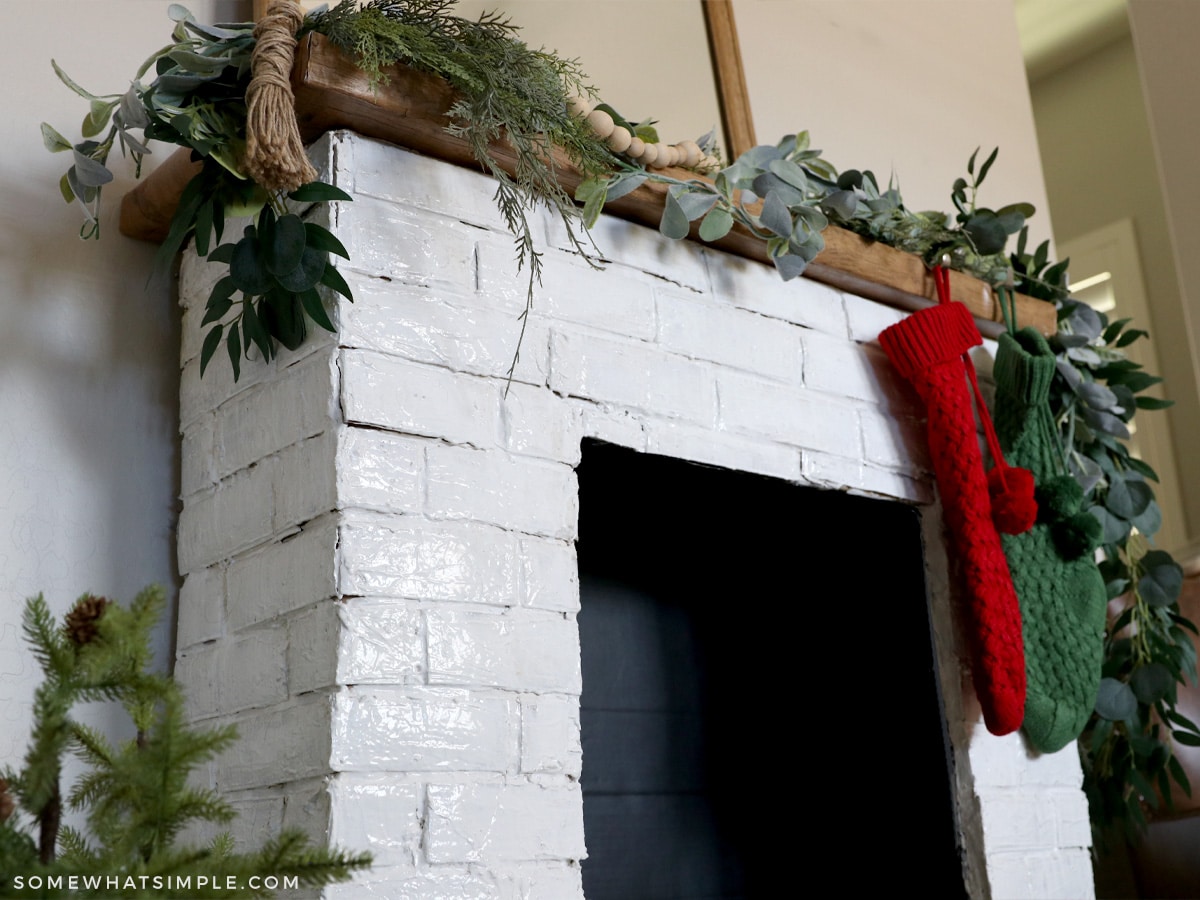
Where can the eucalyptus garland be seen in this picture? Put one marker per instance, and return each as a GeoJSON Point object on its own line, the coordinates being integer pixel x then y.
{"type": "Point", "coordinates": [197, 100]}
{"type": "Point", "coordinates": [279, 264]}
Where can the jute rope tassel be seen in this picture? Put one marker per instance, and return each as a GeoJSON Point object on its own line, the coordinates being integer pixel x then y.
{"type": "Point", "coordinates": [275, 156]}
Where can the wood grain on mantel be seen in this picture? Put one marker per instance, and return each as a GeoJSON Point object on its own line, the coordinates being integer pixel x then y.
{"type": "Point", "coordinates": [332, 93]}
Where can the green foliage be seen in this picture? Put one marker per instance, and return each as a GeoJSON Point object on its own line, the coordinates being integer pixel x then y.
{"type": "Point", "coordinates": [197, 100]}
{"type": "Point", "coordinates": [505, 90]}
{"type": "Point", "coordinates": [790, 177]}
{"type": "Point", "coordinates": [1128, 746]}
{"type": "Point", "coordinates": [136, 797]}
{"type": "Point", "coordinates": [801, 193]}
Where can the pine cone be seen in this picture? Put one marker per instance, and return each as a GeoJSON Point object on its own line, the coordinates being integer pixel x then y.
{"type": "Point", "coordinates": [7, 805]}
{"type": "Point", "coordinates": [80, 625]}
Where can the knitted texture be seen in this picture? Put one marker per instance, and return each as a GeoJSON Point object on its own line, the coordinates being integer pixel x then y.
{"type": "Point", "coordinates": [1060, 590]}
{"type": "Point", "coordinates": [926, 348]}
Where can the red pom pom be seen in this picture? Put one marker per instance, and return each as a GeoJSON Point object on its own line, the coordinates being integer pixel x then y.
{"type": "Point", "coordinates": [1014, 509]}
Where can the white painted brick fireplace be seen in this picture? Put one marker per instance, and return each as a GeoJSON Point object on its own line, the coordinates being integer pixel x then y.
{"type": "Point", "coordinates": [377, 537]}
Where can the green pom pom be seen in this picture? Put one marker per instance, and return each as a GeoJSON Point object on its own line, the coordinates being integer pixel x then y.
{"type": "Point", "coordinates": [1077, 536]}
{"type": "Point", "coordinates": [1059, 498]}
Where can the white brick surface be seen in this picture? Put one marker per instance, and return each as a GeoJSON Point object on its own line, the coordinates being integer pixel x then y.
{"type": "Point", "coordinates": [633, 374]}
{"type": "Point", "coordinates": [281, 577]}
{"type": "Point", "coordinates": [550, 738]}
{"type": "Point", "coordinates": [503, 823]}
{"type": "Point", "coordinates": [377, 814]}
{"type": "Point", "coordinates": [759, 288]}
{"type": "Point", "coordinates": [418, 559]}
{"type": "Point", "coordinates": [380, 471]}
{"type": "Point", "coordinates": [512, 492]}
{"type": "Point", "coordinates": [425, 730]}
{"type": "Point", "coordinates": [386, 392]}
{"type": "Point", "coordinates": [435, 328]}
{"type": "Point", "coordinates": [377, 536]}
{"type": "Point", "coordinates": [697, 327]}
{"type": "Point", "coordinates": [788, 414]}
{"type": "Point", "coordinates": [278, 745]}
{"type": "Point", "coordinates": [549, 575]}
{"type": "Point", "coordinates": [524, 650]}
{"type": "Point", "coordinates": [201, 607]}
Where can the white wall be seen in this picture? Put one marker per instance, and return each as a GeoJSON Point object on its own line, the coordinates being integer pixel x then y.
{"type": "Point", "coordinates": [89, 396]}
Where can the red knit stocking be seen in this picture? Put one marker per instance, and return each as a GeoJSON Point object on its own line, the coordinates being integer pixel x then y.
{"type": "Point", "coordinates": [927, 349]}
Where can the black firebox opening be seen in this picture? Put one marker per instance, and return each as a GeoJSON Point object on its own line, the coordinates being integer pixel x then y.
{"type": "Point", "coordinates": [760, 710]}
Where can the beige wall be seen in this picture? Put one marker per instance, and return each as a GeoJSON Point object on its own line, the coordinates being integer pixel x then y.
{"type": "Point", "coordinates": [88, 346]}
{"type": "Point", "coordinates": [646, 58]}
{"type": "Point", "coordinates": [904, 86]}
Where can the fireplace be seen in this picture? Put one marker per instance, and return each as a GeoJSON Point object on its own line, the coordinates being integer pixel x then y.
{"type": "Point", "coordinates": [378, 537]}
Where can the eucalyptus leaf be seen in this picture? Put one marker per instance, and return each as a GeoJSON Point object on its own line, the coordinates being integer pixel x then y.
{"type": "Point", "coordinates": [770, 183]}
{"type": "Point", "coordinates": [1096, 396]}
{"type": "Point", "coordinates": [716, 224]}
{"type": "Point", "coordinates": [1106, 422]}
{"type": "Point", "coordinates": [1113, 528]}
{"type": "Point", "coordinates": [284, 247]}
{"type": "Point", "coordinates": [1115, 700]}
{"type": "Point", "coordinates": [986, 232]}
{"type": "Point", "coordinates": [196, 63]}
{"type": "Point", "coordinates": [1161, 585]}
{"type": "Point", "coordinates": [695, 203]}
{"type": "Point", "coordinates": [90, 172]}
{"type": "Point", "coordinates": [625, 184]}
{"type": "Point", "coordinates": [1151, 682]}
{"type": "Point", "coordinates": [775, 215]}
{"type": "Point", "coordinates": [674, 222]}
{"type": "Point", "coordinates": [789, 266]}
{"type": "Point", "coordinates": [842, 204]}
{"type": "Point", "coordinates": [66, 79]}
{"type": "Point", "coordinates": [53, 141]}
{"type": "Point", "coordinates": [1149, 520]}
{"type": "Point", "coordinates": [280, 315]}
{"type": "Point", "coordinates": [247, 268]}
{"type": "Point", "coordinates": [789, 172]}
{"type": "Point", "coordinates": [307, 273]}
{"type": "Point", "coordinates": [1085, 320]}
{"type": "Point", "coordinates": [133, 113]}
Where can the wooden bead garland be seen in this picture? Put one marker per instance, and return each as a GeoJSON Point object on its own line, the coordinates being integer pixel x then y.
{"type": "Point", "coordinates": [619, 139]}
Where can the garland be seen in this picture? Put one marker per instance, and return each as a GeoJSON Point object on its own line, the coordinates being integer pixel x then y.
{"type": "Point", "coordinates": [784, 194]}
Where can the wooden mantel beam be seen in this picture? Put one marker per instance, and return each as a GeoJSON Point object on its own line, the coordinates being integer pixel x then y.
{"type": "Point", "coordinates": [332, 93]}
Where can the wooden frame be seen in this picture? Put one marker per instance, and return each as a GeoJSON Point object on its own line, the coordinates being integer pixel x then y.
{"type": "Point", "coordinates": [733, 99]}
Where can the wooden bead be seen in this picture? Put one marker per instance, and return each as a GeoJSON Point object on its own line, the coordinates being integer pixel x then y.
{"type": "Point", "coordinates": [579, 106]}
{"type": "Point", "coordinates": [649, 154]}
{"type": "Point", "coordinates": [636, 148]}
{"type": "Point", "coordinates": [619, 140]}
{"type": "Point", "coordinates": [601, 122]}
{"type": "Point", "coordinates": [661, 155]}
{"type": "Point", "coordinates": [692, 154]}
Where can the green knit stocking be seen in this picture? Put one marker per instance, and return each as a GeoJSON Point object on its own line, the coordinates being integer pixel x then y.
{"type": "Point", "coordinates": [1060, 590]}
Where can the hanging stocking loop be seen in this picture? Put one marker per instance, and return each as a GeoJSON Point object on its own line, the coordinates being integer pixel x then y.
{"type": "Point", "coordinates": [1014, 509]}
